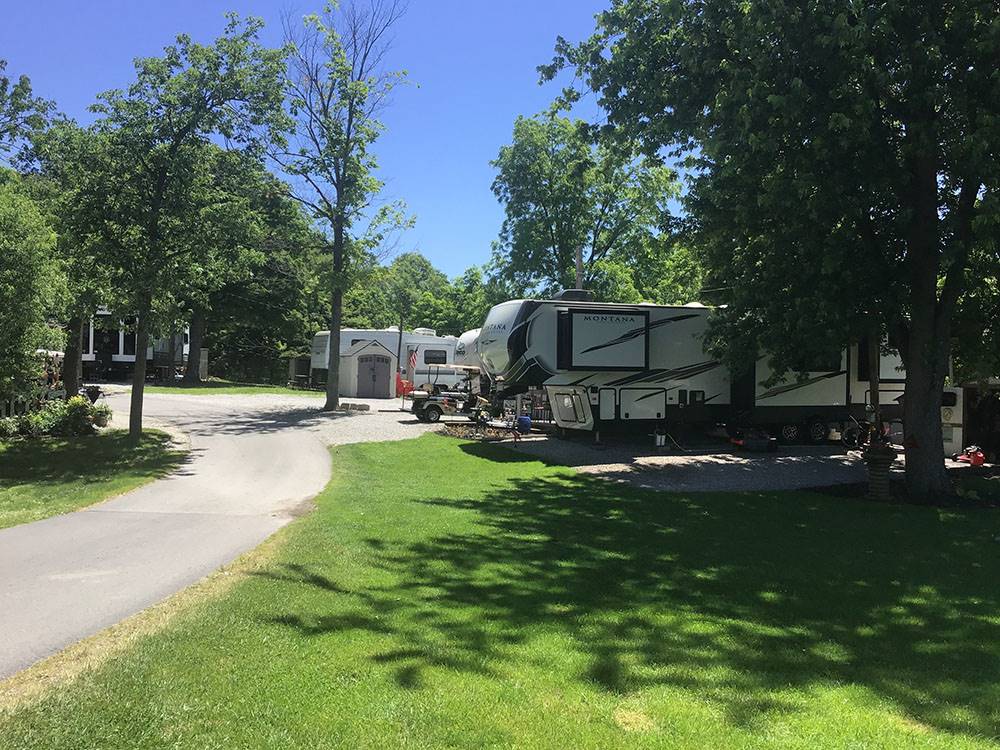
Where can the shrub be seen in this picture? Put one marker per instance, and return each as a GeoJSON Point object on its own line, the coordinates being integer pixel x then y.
{"type": "Point", "coordinates": [8, 427]}
{"type": "Point", "coordinates": [67, 418]}
{"type": "Point", "coordinates": [75, 418]}
{"type": "Point", "coordinates": [102, 415]}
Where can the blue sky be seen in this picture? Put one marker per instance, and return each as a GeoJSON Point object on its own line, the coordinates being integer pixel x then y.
{"type": "Point", "coordinates": [473, 65]}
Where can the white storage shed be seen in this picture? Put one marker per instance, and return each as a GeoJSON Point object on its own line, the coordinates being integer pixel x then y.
{"type": "Point", "coordinates": [368, 370]}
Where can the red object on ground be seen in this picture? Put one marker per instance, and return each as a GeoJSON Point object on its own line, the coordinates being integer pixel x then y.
{"type": "Point", "coordinates": [403, 386]}
{"type": "Point", "coordinates": [972, 456]}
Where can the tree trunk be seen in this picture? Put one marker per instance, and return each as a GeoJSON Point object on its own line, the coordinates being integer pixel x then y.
{"type": "Point", "coordinates": [192, 373]}
{"type": "Point", "coordinates": [138, 377]}
{"type": "Point", "coordinates": [927, 346]}
{"type": "Point", "coordinates": [926, 478]}
{"type": "Point", "coordinates": [73, 359]}
{"type": "Point", "coordinates": [171, 356]}
{"type": "Point", "coordinates": [399, 351]}
{"type": "Point", "coordinates": [336, 316]}
{"type": "Point", "coordinates": [333, 362]}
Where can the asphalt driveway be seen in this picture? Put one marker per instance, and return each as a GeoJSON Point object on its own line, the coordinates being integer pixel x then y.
{"type": "Point", "coordinates": [254, 460]}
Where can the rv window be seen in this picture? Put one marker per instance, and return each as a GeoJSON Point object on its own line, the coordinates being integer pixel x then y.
{"type": "Point", "coordinates": [357, 341]}
{"type": "Point", "coordinates": [435, 357]}
{"type": "Point", "coordinates": [821, 362]}
{"type": "Point", "coordinates": [949, 398]}
{"type": "Point", "coordinates": [682, 397]}
{"type": "Point", "coordinates": [696, 397]}
{"type": "Point", "coordinates": [129, 337]}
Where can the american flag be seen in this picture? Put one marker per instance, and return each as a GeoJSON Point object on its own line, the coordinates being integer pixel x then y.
{"type": "Point", "coordinates": [412, 362]}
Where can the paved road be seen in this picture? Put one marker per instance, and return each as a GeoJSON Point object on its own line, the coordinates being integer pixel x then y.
{"type": "Point", "coordinates": [254, 460]}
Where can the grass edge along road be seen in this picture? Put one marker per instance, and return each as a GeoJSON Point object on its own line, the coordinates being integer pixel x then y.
{"type": "Point", "coordinates": [50, 476]}
{"type": "Point", "coordinates": [215, 387]}
{"type": "Point", "coordinates": [450, 594]}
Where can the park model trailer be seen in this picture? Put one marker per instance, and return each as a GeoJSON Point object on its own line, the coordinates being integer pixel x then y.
{"type": "Point", "coordinates": [108, 349]}
{"type": "Point", "coordinates": [605, 365]}
{"type": "Point", "coordinates": [421, 348]}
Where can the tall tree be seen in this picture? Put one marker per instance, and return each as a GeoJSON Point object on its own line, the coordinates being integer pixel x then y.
{"type": "Point", "coordinates": [337, 86]}
{"type": "Point", "coordinates": [270, 304]}
{"type": "Point", "coordinates": [28, 278]}
{"type": "Point", "coordinates": [844, 158]}
{"type": "Point", "coordinates": [153, 180]}
{"type": "Point", "coordinates": [21, 112]}
{"type": "Point", "coordinates": [562, 193]}
{"type": "Point", "coordinates": [59, 159]}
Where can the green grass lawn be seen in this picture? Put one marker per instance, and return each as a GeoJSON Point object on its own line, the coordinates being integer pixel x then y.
{"type": "Point", "coordinates": [224, 387]}
{"type": "Point", "coordinates": [49, 476]}
{"type": "Point", "coordinates": [448, 594]}
{"type": "Point", "coordinates": [985, 488]}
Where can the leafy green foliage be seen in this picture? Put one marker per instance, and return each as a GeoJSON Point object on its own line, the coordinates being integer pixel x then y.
{"type": "Point", "coordinates": [411, 289]}
{"type": "Point", "coordinates": [29, 282]}
{"type": "Point", "coordinates": [336, 87]}
{"type": "Point", "coordinates": [77, 416]}
{"type": "Point", "coordinates": [561, 193]}
{"type": "Point", "coordinates": [155, 200]}
{"type": "Point", "coordinates": [21, 112]}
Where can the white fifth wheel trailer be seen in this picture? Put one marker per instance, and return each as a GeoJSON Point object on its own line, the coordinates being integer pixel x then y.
{"type": "Point", "coordinates": [421, 349]}
{"type": "Point", "coordinates": [604, 365]}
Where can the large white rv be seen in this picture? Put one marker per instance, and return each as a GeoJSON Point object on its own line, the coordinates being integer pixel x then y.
{"type": "Point", "coordinates": [421, 348]}
{"type": "Point", "coordinates": [605, 364]}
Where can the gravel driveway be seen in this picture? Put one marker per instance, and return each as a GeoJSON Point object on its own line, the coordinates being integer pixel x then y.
{"type": "Point", "coordinates": [709, 469]}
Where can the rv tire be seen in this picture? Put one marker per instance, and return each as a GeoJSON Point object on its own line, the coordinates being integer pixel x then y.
{"type": "Point", "coordinates": [816, 430]}
{"type": "Point", "coordinates": [789, 433]}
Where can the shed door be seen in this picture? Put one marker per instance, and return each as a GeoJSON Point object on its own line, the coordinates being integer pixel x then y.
{"type": "Point", "coordinates": [373, 376]}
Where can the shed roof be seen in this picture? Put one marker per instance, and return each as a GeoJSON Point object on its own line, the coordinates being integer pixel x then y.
{"type": "Point", "coordinates": [362, 345]}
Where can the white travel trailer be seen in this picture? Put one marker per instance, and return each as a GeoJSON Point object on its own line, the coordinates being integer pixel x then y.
{"type": "Point", "coordinates": [421, 347]}
{"type": "Point", "coordinates": [605, 365]}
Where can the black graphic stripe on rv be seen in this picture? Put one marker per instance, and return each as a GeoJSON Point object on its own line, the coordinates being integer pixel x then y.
{"type": "Point", "coordinates": [672, 388]}
{"type": "Point", "coordinates": [688, 372]}
{"type": "Point", "coordinates": [524, 366]}
{"type": "Point", "coordinates": [778, 390]}
{"type": "Point", "coordinates": [657, 392]}
{"type": "Point", "coordinates": [658, 376]}
{"type": "Point", "coordinates": [636, 377]}
{"type": "Point", "coordinates": [636, 332]}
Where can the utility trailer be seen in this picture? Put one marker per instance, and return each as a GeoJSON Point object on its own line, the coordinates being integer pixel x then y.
{"type": "Point", "coordinates": [610, 366]}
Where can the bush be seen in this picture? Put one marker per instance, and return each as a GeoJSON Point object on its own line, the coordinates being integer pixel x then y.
{"type": "Point", "coordinates": [66, 418]}
{"type": "Point", "coordinates": [102, 415]}
{"type": "Point", "coordinates": [8, 427]}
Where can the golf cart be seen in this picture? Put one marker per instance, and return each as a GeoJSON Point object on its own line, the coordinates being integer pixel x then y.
{"type": "Point", "coordinates": [466, 400]}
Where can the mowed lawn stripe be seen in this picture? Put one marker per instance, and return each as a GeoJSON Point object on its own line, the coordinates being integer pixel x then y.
{"type": "Point", "coordinates": [451, 594]}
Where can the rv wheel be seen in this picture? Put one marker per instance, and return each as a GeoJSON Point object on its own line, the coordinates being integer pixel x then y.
{"type": "Point", "coordinates": [816, 430]}
{"type": "Point", "coordinates": [790, 433]}
{"type": "Point", "coordinates": [432, 414]}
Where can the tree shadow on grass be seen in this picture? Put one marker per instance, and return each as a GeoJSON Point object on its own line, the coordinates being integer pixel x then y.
{"type": "Point", "coordinates": [748, 600]}
{"type": "Point", "coordinates": [94, 458]}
